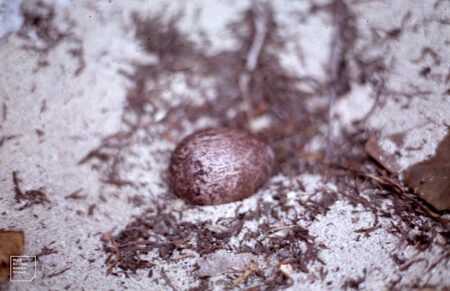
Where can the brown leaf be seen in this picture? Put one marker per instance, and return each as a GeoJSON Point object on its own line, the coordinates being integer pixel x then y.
{"type": "Point", "coordinates": [11, 244]}
{"type": "Point", "coordinates": [387, 160]}
{"type": "Point", "coordinates": [430, 179]}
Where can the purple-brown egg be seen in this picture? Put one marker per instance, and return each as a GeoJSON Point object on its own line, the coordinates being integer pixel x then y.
{"type": "Point", "coordinates": [219, 165]}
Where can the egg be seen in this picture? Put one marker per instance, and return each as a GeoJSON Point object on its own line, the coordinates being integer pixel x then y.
{"type": "Point", "coordinates": [219, 165]}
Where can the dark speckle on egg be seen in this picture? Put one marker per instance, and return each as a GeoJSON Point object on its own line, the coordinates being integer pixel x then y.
{"type": "Point", "coordinates": [219, 165]}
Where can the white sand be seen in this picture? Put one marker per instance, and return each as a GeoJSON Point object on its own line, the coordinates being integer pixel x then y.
{"type": "Point", "coordinates": [80, 110]}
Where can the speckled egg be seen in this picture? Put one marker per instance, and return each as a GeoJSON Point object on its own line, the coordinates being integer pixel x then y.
{"type": "Point", "coordinates": [219, 165]}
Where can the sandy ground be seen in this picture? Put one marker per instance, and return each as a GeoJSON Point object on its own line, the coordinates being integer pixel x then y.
{"type": "Point", "coordinates": [57, 113]}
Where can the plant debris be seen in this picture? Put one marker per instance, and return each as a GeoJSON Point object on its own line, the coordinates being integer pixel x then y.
{"type": "Point", "coordinates": [160, 229]}
{"type": "Point", "coordinates": [46, 251]}
{"type": "Point", "coordinates": [76, 195]}
{"type": "Point", "coordinates": [43, 35]}
{"type": "Point", "coordinates": [58, 273]}
{"type": "Point", "coordinates": [31, 197]}
{"type": "Point", "coordinates": [245, 275]}
{"type": "Point", "coordinates": [6, 138]}
{"type": "Point", "coordinates": [430, 178]}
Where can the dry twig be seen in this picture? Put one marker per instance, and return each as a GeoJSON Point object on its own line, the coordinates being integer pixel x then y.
{"type": "Point", "coordinates": [260, 25]}
{"type": "Point", "coordinates": [117, 252]}
{"type": "Point", "coordinates": [246, 274]}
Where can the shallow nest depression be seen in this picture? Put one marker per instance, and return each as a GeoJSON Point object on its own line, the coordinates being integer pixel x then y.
{"type": "Point", "coordinates": [254, 83]}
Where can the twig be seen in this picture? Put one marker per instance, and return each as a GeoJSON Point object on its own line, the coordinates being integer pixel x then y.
{"type": "Point", "coordinates": [58, 273]}
{"type": "Point", "coordinates": [378, 91]}
{"type": "Point", "coordinates": [136, 242]}
{"type": "Point", "coordinates": [386, 181]}
{"type": "Point", "coordinates": [253, 56]}
{"type": "Point", "coordinates": [117, 251]}
{"type": "Point", "coordinates": [246, 274]}
{"type": "Point", "coordinates": [182, 257]}
{"type": "Point", "coordinates": [76, 195]}
{"type": "Point", "coordinates": [273, 230]}
{"type": "Point", "coordinates": [258, 41]}
{"type": "Point", "coordinates": [335, 60]}
{"type": "Point", "coordinates": [343, 40]}
{"type": "Point", "coordinates": [422, 208]}
{"type": "Point", "coordinates": [164, 276]}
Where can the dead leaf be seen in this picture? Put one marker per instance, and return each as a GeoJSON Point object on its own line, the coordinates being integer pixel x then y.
{"type": "Point", "coordinates": [386, 159]}
{"type": "Point", "coordinates": [11, 244]}
{"type": "Point", "coordinates": [430, 179]}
